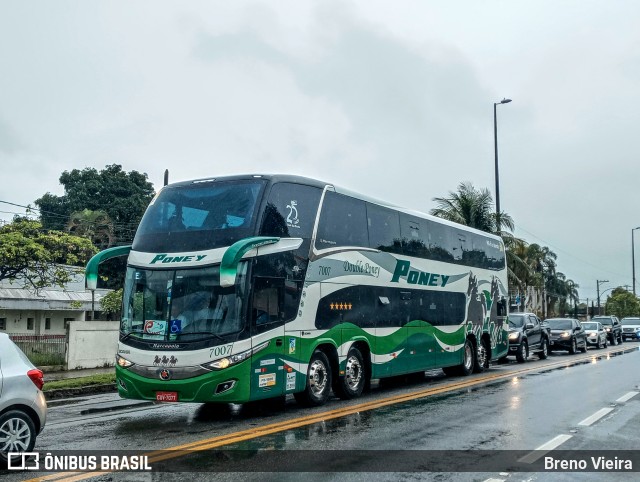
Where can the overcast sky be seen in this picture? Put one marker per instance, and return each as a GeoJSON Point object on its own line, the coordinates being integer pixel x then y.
{"type": "Point", "coordinates": [390, 99]}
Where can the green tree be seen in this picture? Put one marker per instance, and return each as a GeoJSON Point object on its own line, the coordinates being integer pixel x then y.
{"type": "Point", "coordinates": [33, 257]}
{"type": "Point", "coordinates": [111, 303]}
{"type": "Point", "coordinates": [95, 225]}
{"type": "Point", "coordinates": [124, 196]}
{"type": "Point", "coordinates": [622, 303]}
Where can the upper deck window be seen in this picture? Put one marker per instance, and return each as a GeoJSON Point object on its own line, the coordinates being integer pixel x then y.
{"type": "Point", "coordinates": [199, 216]}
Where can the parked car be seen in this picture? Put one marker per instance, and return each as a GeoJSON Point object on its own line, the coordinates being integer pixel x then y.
{"type": "Point", "coordinates": [630, 328]}
{"type": "Point", "coordinates": [23, 409]}
{"type": "Point", "coordinates": [596, 335]}
{"type": "Point", "coordinates": [567, 334]}
{"type": "Point", "coordinates": [612, 326]}
{"type": "Point", "coordinates": [527, 334]}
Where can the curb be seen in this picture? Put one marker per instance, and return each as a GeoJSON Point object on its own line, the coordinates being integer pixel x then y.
{"type": "Point", "coordinates": [58, 393]}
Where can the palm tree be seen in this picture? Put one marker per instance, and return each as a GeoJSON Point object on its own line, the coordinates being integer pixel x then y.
{"type": "Point", "coordinates": [95, 225]}
{"type": "Point", "coordinates": [473, 208]}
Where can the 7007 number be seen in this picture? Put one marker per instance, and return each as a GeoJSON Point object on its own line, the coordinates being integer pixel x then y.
{"type": "Point", "coordinates": [217, 351]}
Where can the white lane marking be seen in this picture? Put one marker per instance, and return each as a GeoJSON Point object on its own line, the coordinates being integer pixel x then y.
{"type": "Point", "coordinates": [544, 448]}
{"type": "Point", "coordinates": [596, 416]}
{"type": "Point", "coordinates": [627, 397]}
{"type": "Point", "coordinates": [494, 480]}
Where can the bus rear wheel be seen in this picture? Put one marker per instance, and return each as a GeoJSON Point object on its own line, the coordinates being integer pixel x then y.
{"type": "Point", "coordinates": [318, 386]}
{"type": "Point", "coordinates": [355, 376]}
{"type": "Point", "coordinates": [468, 361]}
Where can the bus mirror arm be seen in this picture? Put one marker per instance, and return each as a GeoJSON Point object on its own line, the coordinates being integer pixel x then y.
{"type": "Point", "coordinates": [235, 252]}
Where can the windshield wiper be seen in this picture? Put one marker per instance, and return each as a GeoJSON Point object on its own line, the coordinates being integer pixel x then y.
{"type": "Point", "coordinates": [129, 334]}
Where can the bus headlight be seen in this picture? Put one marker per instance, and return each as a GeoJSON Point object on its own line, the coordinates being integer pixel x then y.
{"type": "Point", "coordinates": [222, 363]}
{"type": "Point", "coordinates": [123, 362]}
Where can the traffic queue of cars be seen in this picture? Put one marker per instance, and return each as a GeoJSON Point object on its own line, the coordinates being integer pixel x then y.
{"type": "Point", "coordinates": [528, 334]}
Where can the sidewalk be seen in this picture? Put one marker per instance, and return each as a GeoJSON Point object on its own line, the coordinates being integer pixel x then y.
{"type": "Point", "coordinates": [87, 372]}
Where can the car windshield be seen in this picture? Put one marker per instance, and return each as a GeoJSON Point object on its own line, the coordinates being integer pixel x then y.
{"type": "Point", "coordinates": [516, 321]}
{"type": "Point", "coordinates": [181, 305]}
{"type": "Point", "coordinates": [559, 324]}
{"type": "Point", "coordinates": [604, 321]}
{"type": "Point", "coordinates": [590, 326]}
{"type": "Point", "coordinates": [631, 321]}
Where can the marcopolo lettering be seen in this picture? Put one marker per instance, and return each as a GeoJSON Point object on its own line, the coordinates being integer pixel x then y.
{"type": "Point", "coordinates": [414, 277]}
{"type": "Point", "coordinates": [164, 258]}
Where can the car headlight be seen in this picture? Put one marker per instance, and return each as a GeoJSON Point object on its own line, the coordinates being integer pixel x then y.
{"type": "Point", "coordinates": [607, 329]}
{"type": "Point", "coordinates": [565, 334]}
{"type": "Point", "coordinates": [514, 336]}
{"type": "Point", "coordinates": [123, 362]}
{"type": "Point", "coordinates": [222, 363]}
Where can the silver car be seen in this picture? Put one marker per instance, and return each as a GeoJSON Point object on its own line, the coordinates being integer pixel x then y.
{"type": "Point", "coordinates": [596, 335]}
{"type": "Point", "coordinates": [630, 328]}
{"type": "Point", "coordinates": [23, 409]}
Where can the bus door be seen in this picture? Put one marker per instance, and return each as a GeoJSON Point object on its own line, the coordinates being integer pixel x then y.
{"type": "Point", "coordinates": [267, 365]}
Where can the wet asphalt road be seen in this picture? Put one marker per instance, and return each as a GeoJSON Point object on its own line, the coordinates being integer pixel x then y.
{"type": "Point", "coordinates": [519, 412]}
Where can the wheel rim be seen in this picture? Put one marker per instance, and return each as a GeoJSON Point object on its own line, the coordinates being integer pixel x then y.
{"type": "Point", "coordinates": [482, 355]}
{"type": "Point", "coordinates": [523, 350]}
{"type": "Point", "coordinates": [468, 356]}
{"type": "Point", "coordinates": [15, 436]}
{"type": "Point", "coordinates": [353, 372]}
{"type": "Point", "coordinates": [317, 377]}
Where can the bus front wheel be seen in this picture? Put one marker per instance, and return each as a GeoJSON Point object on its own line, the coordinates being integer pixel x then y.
{"type": "Point", "coordinates": [352, 383]}
{"type": "Point", "coordinates": [318, 384]}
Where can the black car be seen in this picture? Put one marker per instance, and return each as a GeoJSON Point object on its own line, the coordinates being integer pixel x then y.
{"type": "Point", "coordinates": [612, 326]}
{"type": "Point", "coordinates": [567, 334]}
{"type": "Point", "coordinates": [527, 334]}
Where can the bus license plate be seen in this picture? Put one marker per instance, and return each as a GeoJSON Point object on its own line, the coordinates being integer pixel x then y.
{"type": "Point", "coordinates": [166, 396]}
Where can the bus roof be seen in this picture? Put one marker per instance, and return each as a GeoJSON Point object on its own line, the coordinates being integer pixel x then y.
{"type": "Point", "coordinates": [273, 178]}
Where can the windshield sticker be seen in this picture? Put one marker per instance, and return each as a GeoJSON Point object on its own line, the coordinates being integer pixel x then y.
{"type": "Point", "coordinates": [155, 327]}
{"type": "Point", "coordinates": [175, 326]}
{"type": "Point", "coordinates": [267, 380]}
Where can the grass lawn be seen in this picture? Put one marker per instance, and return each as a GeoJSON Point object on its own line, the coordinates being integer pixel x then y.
{"type": "Point", "coordinates": [102, 379]}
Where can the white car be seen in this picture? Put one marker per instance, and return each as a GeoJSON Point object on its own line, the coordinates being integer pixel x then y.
{"type": "Point", "coordinates": [23, 409]}
{"type": "Point", "coordinates": [631, 328]}
{"type": "Point", "coordinates": [596, 336]}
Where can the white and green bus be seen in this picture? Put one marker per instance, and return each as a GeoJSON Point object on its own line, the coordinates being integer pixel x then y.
{"type": "Point", "coordinates": [249, 287]}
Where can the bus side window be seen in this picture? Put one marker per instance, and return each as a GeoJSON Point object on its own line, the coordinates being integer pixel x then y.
{"type": "Point", "coordinates": [265, 305]}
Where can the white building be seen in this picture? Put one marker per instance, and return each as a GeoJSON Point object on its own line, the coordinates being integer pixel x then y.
{"type": "Point", "coordinates": [46, 311]}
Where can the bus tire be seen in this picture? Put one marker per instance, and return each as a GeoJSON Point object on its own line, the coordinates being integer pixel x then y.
{"type": "Point", "coordinates": [318, 385]}
{"type": "Point", "coordinates": [483, 356]}
{"type": "Point", "coordinates": [468, 361]}
{"type": "Point", "coordinates": [352, 383]}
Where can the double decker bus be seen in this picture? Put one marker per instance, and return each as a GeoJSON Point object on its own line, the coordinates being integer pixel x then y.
{"type": "Point", "coordinates": [250, 287]}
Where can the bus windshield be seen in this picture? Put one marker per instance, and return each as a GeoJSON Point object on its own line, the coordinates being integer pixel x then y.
{"type": "Point", "coordinates": [181, 305]}
{"type": "Point", "coordinates": [204, 215]}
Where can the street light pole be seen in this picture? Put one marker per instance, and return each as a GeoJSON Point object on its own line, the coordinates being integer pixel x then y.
{"type": "Point", "coordinates": [598, 282]}
{"type": "Point", "coordinates": [495, 144]}
{"type": "Point", "coordinates": [633, 261]}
